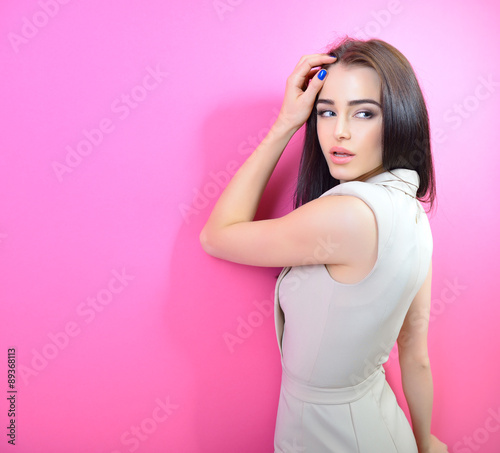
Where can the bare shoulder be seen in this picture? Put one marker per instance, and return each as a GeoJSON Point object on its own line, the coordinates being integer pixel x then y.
{"type": "Point", "coordinates": [351, 222]}
{"type": "Point", "coordinates": [349, 213]}
{"type": "Point", "coordinates": [360, 239]}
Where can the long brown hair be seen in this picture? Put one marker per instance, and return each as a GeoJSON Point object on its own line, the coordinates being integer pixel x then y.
{"type": "Point", "coordinates": [405, 136]}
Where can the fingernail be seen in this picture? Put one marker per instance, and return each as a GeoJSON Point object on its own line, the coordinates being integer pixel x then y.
{"type": "Point", "coordinates": [321, 74]}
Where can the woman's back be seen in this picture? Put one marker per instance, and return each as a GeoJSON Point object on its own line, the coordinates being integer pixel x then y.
{"type": "Point", "coordinates": [337, 334]}
{"type": "Point", "coordinates": [334, 395]}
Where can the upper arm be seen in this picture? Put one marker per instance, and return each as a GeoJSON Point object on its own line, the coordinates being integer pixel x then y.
{"type": "Point", "coordinates": [327, 230]}
{"type": "Point", "coordinates": [412, 339]}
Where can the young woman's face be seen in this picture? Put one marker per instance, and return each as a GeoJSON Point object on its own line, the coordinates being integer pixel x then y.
{"type": "Point", "coordinates": [349, 121]}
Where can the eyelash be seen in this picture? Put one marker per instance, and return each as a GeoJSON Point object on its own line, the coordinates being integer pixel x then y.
{"type": "Point", "coordinates": [322, 112]}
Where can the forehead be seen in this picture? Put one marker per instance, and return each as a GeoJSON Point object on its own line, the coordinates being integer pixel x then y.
{"type": "Point", "coordinates": [350, 83]}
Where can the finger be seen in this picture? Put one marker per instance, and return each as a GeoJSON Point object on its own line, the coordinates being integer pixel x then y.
{"type": "Point", "coordinates": [309, 76]}
{"type": "Point", "coordinates": [315, 85]}
{"type": "Point", "coordinates": [299, 75]}
{"type": "Point", "coordinates": [314, 56]}
{"type": "Point", "coordinates": [308, 62]}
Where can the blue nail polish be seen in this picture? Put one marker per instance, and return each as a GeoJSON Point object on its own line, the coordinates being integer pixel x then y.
{"type": "Point", "coordinates": [321, 74]}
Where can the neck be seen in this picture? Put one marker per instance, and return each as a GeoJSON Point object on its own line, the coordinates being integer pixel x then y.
{"type": "Point", "coordinates": [375, 171]}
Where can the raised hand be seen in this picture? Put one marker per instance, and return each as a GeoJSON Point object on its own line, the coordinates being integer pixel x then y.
{"type": "Point", "coordinates": [302, 86]}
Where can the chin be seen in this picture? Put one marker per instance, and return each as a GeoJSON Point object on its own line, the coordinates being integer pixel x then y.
{"type": "Point", "coordinates": [343, 174]}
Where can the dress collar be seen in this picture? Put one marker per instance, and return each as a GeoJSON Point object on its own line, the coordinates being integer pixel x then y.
{"type": "Point", "coordinates": [401, 179]}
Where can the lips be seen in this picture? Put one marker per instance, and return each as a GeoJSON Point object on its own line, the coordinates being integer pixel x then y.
{"type": "Point", "coordinates": [340, 155]}
{"type": "Point", "coordinates": [342, 152]}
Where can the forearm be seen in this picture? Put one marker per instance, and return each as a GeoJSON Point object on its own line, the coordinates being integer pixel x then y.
{"type": "Point", "coordinates": [240, 199]}
{"type": "Point", "coordinates": [418, 390]}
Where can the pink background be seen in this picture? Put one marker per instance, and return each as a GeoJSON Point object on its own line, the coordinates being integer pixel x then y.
{"type": "Point", "coordinates": [165, 100]}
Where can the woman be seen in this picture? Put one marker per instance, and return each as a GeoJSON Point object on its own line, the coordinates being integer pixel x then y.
{"type": "Point", "coordinates": [356, 250]}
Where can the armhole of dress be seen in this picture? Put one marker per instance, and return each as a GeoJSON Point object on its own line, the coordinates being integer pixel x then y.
{"type": "Point", "coordinates": [382, 239]}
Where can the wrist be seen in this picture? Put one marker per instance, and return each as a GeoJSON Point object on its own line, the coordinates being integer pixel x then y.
{"type": "Point", "coordinates": [282, 127]}
{"type": "Point", "coordinates": [424, 446]}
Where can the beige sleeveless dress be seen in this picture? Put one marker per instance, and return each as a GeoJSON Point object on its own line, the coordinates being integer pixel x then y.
{"type": "Point", "coordinates": [334, 337]}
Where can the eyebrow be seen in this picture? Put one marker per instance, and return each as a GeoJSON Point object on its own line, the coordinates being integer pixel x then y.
{"type": "Point", "coordinates": [350, 103]}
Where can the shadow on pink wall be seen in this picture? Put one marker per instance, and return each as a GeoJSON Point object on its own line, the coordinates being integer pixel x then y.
{"type": "Point", "coordinates": [220, 314]}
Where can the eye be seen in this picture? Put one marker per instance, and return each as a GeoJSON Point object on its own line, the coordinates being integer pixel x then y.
{"type": "Point", "coordinates": [325, 113]}
{"type": "Point", "coordinates": [365, 114]}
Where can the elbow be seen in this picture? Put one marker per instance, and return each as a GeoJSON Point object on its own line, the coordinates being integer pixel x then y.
{"type": "Point", "coordinates": [414, 362]}
{"type": "Point", "coordinates": [204, 241]}
{"type": "Point", "coordinates": [207, 243]}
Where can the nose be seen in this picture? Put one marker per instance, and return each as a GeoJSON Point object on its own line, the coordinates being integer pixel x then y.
{"type": "Point", "coordinates": [342, 131]}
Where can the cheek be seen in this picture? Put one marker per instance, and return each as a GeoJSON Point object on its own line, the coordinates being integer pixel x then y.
{"type": "Point", "coordinates": [322, 133]}
{"type": "Point", "coordinates": [372, 136]}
